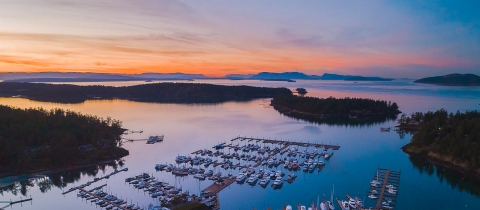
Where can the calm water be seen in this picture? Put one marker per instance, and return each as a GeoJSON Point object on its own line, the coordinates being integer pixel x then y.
{"type": "Point", "coordinates": [188, 128]}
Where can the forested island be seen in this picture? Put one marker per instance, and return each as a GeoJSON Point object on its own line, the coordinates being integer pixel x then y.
{"type": "Point", "coordinates": [452, 80]}
{"type": "Point", "coordinates": [449, 139]}
{"type": "Point", "coordinates": [298, 106]}
{"type": "Point", "coordinates": [155, 92]}
{"type": "Point", "coordinates": [35, 139]}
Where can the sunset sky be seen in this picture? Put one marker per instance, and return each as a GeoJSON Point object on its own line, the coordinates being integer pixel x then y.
{"type": "Point", "coordinates": [391, 39]}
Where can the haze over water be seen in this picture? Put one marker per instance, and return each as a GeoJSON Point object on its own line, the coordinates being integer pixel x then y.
{"type": "Point", "coordinates": [190, 127]}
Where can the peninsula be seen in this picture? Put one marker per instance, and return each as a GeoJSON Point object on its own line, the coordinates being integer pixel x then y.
{"type": "Point", "coordinates": [153, 92]}
{"type": "Point", "coordinates": [298, 106]}
{"type": "Point", "coordinates": [448, 139]}
{"type": "Point", "coordinates": [38, 139]}
{"type": "Point", "coordinates": [452, 80]}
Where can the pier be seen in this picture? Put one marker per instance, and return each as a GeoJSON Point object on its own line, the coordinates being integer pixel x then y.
{"type": "Point", "coordinates": [118, 205]}
{"type": "Point", "coordinates": [95, 180]}
{"type": "Point", "coordinates": [389, 179]}
{"type": "Point", "coordinates": [288, 143]}
{"type": "Point", "coordinates": [216, 188]}
{"type": "Point", "coordinates": [9, 203]}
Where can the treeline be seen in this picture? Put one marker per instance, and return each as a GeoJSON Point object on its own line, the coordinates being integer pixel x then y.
{"type": "Point", "coordinates": [456, 136]}
{"type": "Point", "coordinates": [333, 107]}
{"type": "Point", "coordinates": [155, 92]}
{"type": "Point", "coordinates": [38, 138]}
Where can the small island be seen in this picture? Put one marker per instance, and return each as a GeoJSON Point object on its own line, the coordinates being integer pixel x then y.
{"type": "Point", "coordinates": [298, 106]}
{"type": "Point", "coordinates": [152, 92]}
{"type": "Point", "coordinates": [39, 139]}
{"type": "Point", "coordinates": [448, 139]}
{"type": "Point", "coordinates": [452, 80]}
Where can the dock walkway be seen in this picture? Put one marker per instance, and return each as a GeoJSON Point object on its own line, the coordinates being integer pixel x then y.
{"type": "Point", "coordinates": [119, 206]}
{"type": "Point", "coordinates": [302, 144]}
{"type": "Point", "coordinates": [216, 188]}
{"type": "Point", "coordinates": [388, 178]}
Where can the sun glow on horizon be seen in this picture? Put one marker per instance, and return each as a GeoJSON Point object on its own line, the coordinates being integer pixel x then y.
{"type": "Point", "coordinates": [227, 38]}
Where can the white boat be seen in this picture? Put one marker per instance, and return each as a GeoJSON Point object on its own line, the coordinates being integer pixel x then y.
{"type": "Point", "coordinates": [323, 206]}
{"type": "Point", "coordinates": [345, 205]}
{"type": "Point", "coordinates": [250, 170]}
{"type": "Point", "coordinates": [391, 191]}
{"type": "Point", "coordinates": [241, 177]}
{"type": "Point", "coordinates": [352, 203]}
{"type": "Point", "coordinates": [252, 179]}
{"type": "Point", "coordinates": [278, 181]}
{"type": "Point", "coordinates": [160, 166]}
{"type": "Point", "coordinates": [372, 196]}
{"type": "Point", "coordinates": [270, 162]}
{"type": "Point", "coordinates": [264, 181]}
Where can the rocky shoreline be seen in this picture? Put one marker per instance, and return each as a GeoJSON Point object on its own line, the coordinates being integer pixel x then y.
{"type": "Point", "coordinates": [459, 167]}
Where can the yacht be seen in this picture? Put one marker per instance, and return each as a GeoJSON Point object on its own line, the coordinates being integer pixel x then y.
{"type": "Point", "coordinates": [250, 171]}
{"type": "Point", "coordinates": [352, 203]}
{"type": "Point", "coordinates": [252, 180]}
{"type": "Point", "coordinates": [160, 166]}
{"type": "Point", "coordinates": [391, 191]}
{"type": "Point", "coordinates": [278, 181]}
{"type": "Point", "coordinates": [241, 177]}
{"type": "Point", "coordinates": [209, 173]}
{"type": "Point", "coordinates": [264, 181]}
{"type": "Point", "coordinates": [180, 159]}
{"type": "Point", "coordinates": [345, 205]}
{"type": "Point", "coordinates": [270, 162]}
{"type": "Point", "coordinates": [323, 206]}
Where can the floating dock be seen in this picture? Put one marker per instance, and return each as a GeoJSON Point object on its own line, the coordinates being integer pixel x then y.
{"type": "Point", "coordinates": [216, 188]}
{"type": "Point", "coordinates": [387, 191]}
{"type": "Point", "coordinates": [119, 205]}
{"type": "Point", "coordinates": [289, 143]}
{"type": "Point", "coordinates": [10, 203]}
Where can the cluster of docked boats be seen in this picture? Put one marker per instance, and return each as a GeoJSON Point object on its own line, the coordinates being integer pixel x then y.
{"type": "Point", "coordinates": [154, 139]}
{"type": "Point", "coordinates": [198, 173]}
{"type": "Point", "coordinates": [352, 203]}
{"type": "Point", "coordinates": [106, 201]}
{"type": "Point", "coordinates": [157, 189]}
{"type": "Point", "coordinates": [252, 177]}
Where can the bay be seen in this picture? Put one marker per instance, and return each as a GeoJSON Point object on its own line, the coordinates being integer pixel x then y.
{"type": "Point", "coordinates": [190, 127]}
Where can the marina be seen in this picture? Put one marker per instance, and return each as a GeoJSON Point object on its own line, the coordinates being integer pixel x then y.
{"type": "Point", "coordinates": [193, 128]}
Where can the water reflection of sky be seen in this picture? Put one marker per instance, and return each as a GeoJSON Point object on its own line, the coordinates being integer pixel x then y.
{"type": "Point", "coordinates": [188, 128]}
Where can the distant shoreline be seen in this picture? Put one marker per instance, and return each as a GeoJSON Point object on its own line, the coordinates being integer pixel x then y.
{"type": "Point", "coordinates": [288, 112]}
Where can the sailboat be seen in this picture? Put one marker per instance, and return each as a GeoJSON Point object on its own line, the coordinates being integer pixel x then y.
{"type": "Point", "coordinates": [330, 202]}
{"type": "Point", "coordinates": [374, 182]}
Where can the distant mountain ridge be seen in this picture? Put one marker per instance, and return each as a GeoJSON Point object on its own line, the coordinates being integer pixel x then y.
{"type": "Point", "coordinates": [452, 80]}
{"type": "Point", "coordinates": [98, 77]}
{"type": "Point", "coordinates": [93, 77]}
{"type": "Point", "coordinates": [325, 76]}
